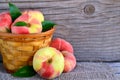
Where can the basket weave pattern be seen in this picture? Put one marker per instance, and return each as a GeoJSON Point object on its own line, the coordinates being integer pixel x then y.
{"type": "Point", "coordinates": [17, 50]}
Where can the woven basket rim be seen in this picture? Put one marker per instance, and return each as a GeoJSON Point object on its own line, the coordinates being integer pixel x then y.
{"type": "Point", "coordinates": [26, 37]}
{"type": "Point", "coordinates": [12, 35]}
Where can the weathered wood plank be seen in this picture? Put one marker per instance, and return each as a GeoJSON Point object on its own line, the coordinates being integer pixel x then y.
{"type": "Point", "coordinates": [115, 66]}
{"type": "Point", "coordinates": [83, 71]}
{"type": "Point", "coordinates": [92, 26]}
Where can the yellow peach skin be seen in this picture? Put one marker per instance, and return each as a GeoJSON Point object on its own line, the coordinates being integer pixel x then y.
{"type": "Point", "coordinates": [33, 24]}
{"type": "Point", "coordinates": [48, 62]}
{"type": "Point", "coordinates": [35, 14]}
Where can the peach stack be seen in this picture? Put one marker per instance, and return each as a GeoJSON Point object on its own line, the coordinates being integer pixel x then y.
{"type": "Point", "coordinates": [50, 62]}
{"type": "Point", "coordinates": [67, 50]}
{"type": "Point", "coordinates": [28, 22]}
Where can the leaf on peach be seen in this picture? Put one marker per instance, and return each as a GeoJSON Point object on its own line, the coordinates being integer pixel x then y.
{"type": "Point", "coordinates": [20, 23]}
{"type": "Point", "coordinates": [14, 11]}
{"type": "Point", "coordinates": [47, 25]}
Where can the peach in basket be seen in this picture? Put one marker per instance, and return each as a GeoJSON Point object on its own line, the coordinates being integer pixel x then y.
{"type": "Point", "coordinates": [27, 34]}
{"type": "Point", "coordinates": [5, 21]}
{"type": "Point", "coordinates": [28, 22]}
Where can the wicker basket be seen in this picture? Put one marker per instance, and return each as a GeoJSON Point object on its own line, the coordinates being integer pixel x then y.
{"type": "Point", "coordinates": [17, 50]}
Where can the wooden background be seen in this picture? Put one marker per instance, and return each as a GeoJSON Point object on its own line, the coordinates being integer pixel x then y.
{"type": "Point", "coordinates": [91, 26]}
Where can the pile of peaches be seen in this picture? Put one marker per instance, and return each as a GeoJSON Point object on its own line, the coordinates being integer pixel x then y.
{"type": "Point", "coordinates": [28, 22]}
{"type": "Point", "coordinates": [49, 62]}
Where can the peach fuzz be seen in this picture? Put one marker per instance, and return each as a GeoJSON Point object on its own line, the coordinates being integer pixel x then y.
{"type": "Point", "coordinates": [69, 61]}
{"type": "Point", "coordinates": [61, 45]}
{"type": "Point", "coordinates": [5, 21]}
{"type": "Point", "coordinates": [33, 25]}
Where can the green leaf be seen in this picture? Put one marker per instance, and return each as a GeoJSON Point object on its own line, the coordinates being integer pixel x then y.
{"type": "Point", "coordinates": [14, 11]}
{"type": "Point", "coordinates": [47, 25]}
{"type": "Point", "coordinates": [26, 71]}
{"type": "Point", "coordinates": [20, 23]}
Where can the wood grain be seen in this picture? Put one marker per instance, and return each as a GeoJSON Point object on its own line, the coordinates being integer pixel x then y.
{"type": "Point", "coordinates": [83, 71]}
{"type": "Point", "coordinates": [94, 34]}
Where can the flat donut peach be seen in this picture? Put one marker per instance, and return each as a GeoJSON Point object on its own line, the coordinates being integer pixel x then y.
{"type": "Point", "coordinates": [5, 22]}
{"type": "Point", "coordinates": [62, 45]}
{"type": "Point", "coordinates": [69, 61]}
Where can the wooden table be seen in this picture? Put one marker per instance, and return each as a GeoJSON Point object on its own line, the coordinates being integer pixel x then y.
{"type": "Point", "coordinates": [83, 71]}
